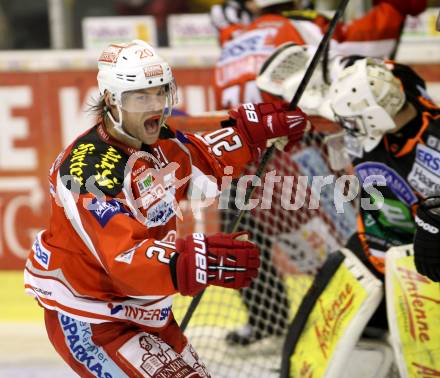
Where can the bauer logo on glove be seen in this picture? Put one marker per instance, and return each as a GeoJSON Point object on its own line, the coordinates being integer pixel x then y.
{"type": "Point", "coordinates": [219, 260]}
{"type": "Point", "coordinates": [265, 124]}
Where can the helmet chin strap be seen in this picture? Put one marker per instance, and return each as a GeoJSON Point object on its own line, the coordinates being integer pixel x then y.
{"type": "Point", "coordinates": [116, 130]}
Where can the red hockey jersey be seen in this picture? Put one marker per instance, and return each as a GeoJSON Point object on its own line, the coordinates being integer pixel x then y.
{"type": "Point", "coordinates": [245, 48]}
{"type": "Point", "coordinates": [112, 229]}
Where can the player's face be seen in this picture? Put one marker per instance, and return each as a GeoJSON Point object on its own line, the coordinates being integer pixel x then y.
{"type": "Point", "coordinates": [142, 111]}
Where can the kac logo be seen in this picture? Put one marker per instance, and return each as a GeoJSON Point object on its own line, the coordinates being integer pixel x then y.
{"type": "Point", "coordinates": [103, 211]}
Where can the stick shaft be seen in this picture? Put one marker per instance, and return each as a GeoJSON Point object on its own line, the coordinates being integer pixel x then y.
{"type": "Point", "coordinates": [269, 152]}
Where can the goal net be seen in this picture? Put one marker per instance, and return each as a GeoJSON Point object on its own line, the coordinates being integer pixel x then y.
{"type": "Point", "coordinates": [296, 225]}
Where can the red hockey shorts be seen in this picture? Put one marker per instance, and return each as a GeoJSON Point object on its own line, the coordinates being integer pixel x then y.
{"type": "Point", "coordinates": [121, 349]}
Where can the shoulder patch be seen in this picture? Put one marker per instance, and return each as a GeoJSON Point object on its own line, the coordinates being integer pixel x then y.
{"type": "Point", "coordinates": [94, 164]}
{"type": "Point", "coordinates": [103, 211]}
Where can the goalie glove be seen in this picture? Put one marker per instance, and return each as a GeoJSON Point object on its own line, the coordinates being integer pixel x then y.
{"type": "Point", "coordinates": [219, 260]}
{"type": "Point", "coordinates": [427, 238]}
{"type": "Point", "coordinates": [231, 12]}
{"type": "Point", "coordinates": [283, 71]}
{"type": "Point", "coordinates": [266, 123]}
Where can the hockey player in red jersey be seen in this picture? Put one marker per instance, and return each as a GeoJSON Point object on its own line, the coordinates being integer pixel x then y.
{"type": "Point", "coordinates": [247, 44]}
{"type": "Point", "coordinates": [108, 264]}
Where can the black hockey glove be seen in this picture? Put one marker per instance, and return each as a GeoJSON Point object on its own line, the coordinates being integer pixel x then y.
{"type": "Point", "coordinates": [427, 238]}
{"type": "Point", "coordinates": [231, 12]}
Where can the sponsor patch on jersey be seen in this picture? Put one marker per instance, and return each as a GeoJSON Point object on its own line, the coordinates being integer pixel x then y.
{"type": "Point", "coordinates": [153, 187]}
{"type": "Point", "coordinates": [106, 168]}
{"type": "Point", "coordinates": [152, 357]}
{"type": "Point", "coordinates": [243, 55]}
{"type": "Point", "coordinates": [103, 211]}
{"type": "Point", "coordinates": [93, 167]}
{"type": "Point", "coordinates": [160, 213]}
{"type": "Point", "coordinates": [127, 256]}
{"type": "Point", "coordinates": [41, 254]}
{"type": "Point", "coordinates": [396, 183]}
{"type": "Point", "coordinates": [252, 42]}
{"type": "Point", "coordinates": [78, 338]}
{"type": "Point", "coordinates": [425, 172]}
{"type": "Point", "coordinates": [145, 184]}
{"type": "Point", "coordinates": [140, 313]}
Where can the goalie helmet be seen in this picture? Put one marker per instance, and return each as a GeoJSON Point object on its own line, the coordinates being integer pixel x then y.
{"type": "Point", "coordinates": [364, 98]}
{"type": "Point", "coordinates": [126, 68]}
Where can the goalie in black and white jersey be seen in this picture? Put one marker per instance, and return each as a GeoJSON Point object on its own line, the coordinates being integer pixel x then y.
{"type": "Point", "coordinates": [392, 138]}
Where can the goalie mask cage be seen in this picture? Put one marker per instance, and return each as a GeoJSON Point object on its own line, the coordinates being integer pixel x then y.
{"type": "Point", "coordinates": [293, 243]}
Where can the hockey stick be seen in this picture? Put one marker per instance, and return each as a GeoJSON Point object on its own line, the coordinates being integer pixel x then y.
{"type": "Point", "coordinates": [269, 152]}
{"type": "Point", "coordinates": [397, 45]}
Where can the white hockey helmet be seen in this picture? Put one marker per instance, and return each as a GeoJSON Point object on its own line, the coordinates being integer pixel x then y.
{"type": "Point", "coordinates": [124, 68]}
{"type": "Point", "coordinates": [364, 98]}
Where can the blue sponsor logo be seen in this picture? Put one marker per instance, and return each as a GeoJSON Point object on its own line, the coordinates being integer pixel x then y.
{"type": "Point", "coordinates": [41, 255]}
{"type": "Point", "coordinates": [164, 313]}
{"type": "Point", "coordinates": [140, 313]}
{"type": "Point", "coordinates": [160, 214]}
{"type": "Point", "coordinates": [248, 44]}
{"type": "Point", "coordinates": [395, 182]}
{"type": "Point", "coordinates": [241, 47]}
{"type": "Point", "coordinates": [78, 337]}
{"type": "Point", "coordinates": [103, 211]}
{"type": "Point", "coordinates": [115, 309]}
{"type": "Point", "coordinates": [428, 159]}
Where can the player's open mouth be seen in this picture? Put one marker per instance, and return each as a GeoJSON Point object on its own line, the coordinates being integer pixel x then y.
{"type": "Point", "coordinates": [152, 125]}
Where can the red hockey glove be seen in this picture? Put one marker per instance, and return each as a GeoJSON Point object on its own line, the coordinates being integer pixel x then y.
{"type": "Point", "coordinates": [219, 260]}
{"type": "Point", "coordinates": [406, 7]}
{"type": "Point", "coordinates": [259, 123]}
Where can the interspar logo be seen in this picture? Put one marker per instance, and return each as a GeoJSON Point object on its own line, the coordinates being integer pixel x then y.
{"type": "Point", "coordinates": [139, 313]}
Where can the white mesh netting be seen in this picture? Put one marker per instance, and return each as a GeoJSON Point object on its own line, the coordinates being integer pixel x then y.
{"type": "Point", "coordinates": [294, 241]}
